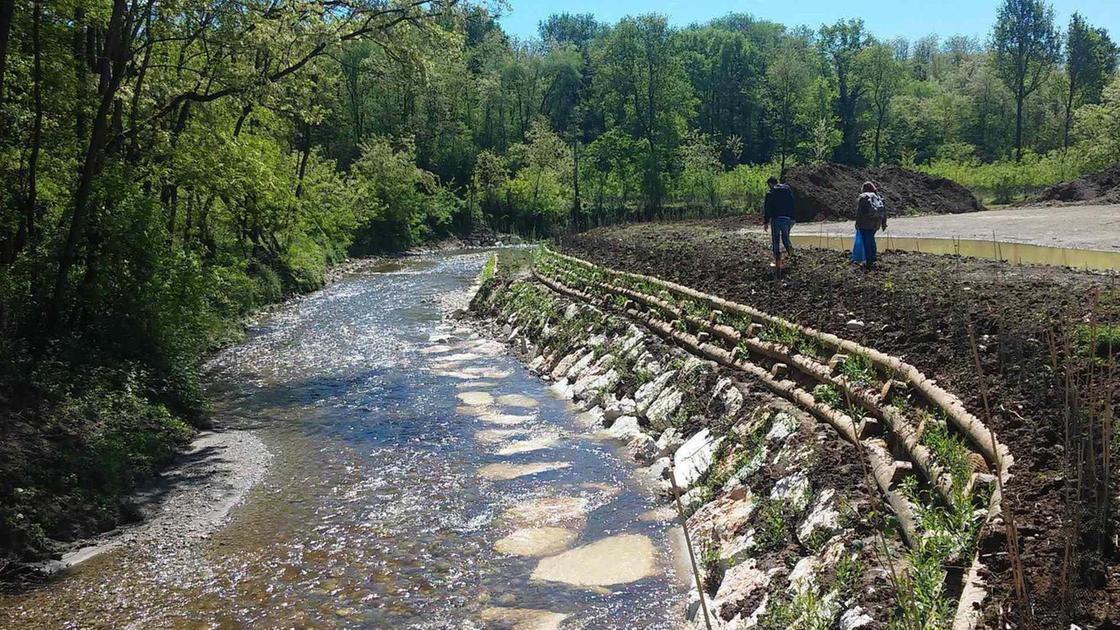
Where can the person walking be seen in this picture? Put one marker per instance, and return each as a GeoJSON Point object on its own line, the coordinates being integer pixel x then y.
{"type": "Point", "coordinates": [871, 216]}
{"type": "Point", "coordinates": [777, 217]}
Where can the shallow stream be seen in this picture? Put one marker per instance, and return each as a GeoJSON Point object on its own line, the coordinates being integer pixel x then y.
{"type": "Point", "coordinates": [420, 478]}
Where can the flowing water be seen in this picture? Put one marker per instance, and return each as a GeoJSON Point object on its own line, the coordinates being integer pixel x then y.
{"type": "Point", "coordinates": [402, 447]}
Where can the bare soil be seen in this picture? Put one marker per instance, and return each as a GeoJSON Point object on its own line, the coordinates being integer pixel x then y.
{"type": "Point", "coordinates": [1101, 187]}
{"type": "Point", "coordinates": [829, 191]}
{"type": "Point", "coordinates": [920, 307]}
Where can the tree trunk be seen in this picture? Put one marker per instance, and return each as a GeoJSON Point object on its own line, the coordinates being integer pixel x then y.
{"type": "Point", "coordinates": [112, 65]}
{"type": "Point", "coordinates": [241, 120]}
{"type": "Point", "coordinates": [32, 200]}
{"type": "Point", "coordinates": [878, 135]}
{"type": "Point", "coordinates": [80, 70]}
{"type": "Point", "coordinates": [7, 12]}
{"type": "Point", "coordinates": [306, 153]}
{"type": "Point", "coordinates": [576, 205]}
{"type": "Point", "coordinates": [1019, 98]}
{"type": "Point", "coordinates": [1069, 113]}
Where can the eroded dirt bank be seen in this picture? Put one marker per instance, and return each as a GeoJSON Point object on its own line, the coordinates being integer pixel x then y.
{"type": "Point", "coordinates": [921, 307]}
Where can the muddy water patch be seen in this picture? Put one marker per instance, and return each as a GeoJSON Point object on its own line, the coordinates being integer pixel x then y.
{"type": "Point", "coordinates": [615, 560]}
{"type": "Point", "coordinates": [536, 541]}
{"type": "Point", "coordinates": [529, 445]}
{"type": "Point", "coordinates": [505, 472]}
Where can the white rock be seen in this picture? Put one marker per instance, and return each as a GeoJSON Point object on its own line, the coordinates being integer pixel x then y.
{"type": "Point", "coordinates": [566, 363]}
{"type": "Point", "coordinates": [659, 469]}
{"type": "Point", "coordinates": [649, 392]}
{"type": "Point", "coordinates": [612, 407]}
{"type": "Point", "coordinates": [646, 361]}
{"type": "Point", "coordinates": [591, 419]}
{"type": "Point", "coordinates": [740, 584]}
{"type": "Point", "coordinates": [642, 448]}
{"type": "Point", "coordinates": [562, 388]}
{"type": "Point", "coordinates": [856, 618]}
{"type": "Point", "coordinates": [804, 574]}
{"type": "Point", "coordinates": [579, 366]}
{"type": "Point", "coordinates": [782, 427]}
{"type": "Point", "coordinates": [669, 441]}
{"type": "Point", "coordinates": [660, 413]}
{"type": "Point", "coordinates": [725, 517]}
{"type": "Point", "coordinates": [628, 343]}
{"type": "Point", "coordinates": [592, 387]}
{"type": "Point", "coordinates": [693, 610]}
{"type": "Point", "coordinates": [822, 517]}
{"type": "Point", "coordinates": [693, 499]}
{"type": "Point", "coordinates": [738, 549]}
{"type": "Point", "coordinates": [732, 399]}
{"type": "Point", "coordinates": [793, 490]}
{"type": "Point", "coordinates": [625, 428]}
{"type": "Point", "coordinates": [694, 364]}
{"type": "Point", "coordinates": [694, 457]}
{"type": "Point", "coordinates": [854, 324]}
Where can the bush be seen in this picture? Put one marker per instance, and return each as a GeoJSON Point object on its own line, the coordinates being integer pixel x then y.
{"type": "Point", "coordinates": [1007, 181]}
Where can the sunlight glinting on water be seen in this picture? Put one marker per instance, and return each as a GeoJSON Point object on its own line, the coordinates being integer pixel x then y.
{"type": "Point", "coordinates": [378, 510]}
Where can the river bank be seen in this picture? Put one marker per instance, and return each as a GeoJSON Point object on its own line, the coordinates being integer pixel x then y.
{"type": "Point", "coordinates": [574, 323]}
{"type": "Point", "coordinates": [781, 525]}
{"type": "Point", "coordinates": [1033, 327]}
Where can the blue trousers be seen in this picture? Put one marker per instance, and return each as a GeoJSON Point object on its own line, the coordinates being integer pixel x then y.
{"type": "Point", "coordinates": [779, 235]}
{"type": "Point", "coordinates": [869, 248]}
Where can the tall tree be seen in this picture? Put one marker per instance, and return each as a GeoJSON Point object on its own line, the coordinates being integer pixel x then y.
{"type": "Point", "coordinates": [883, 76]}
{"type": "Point", "coordinates": [787, 77]}
{"type": "Point", "coordinates": [1090, 60]}
{"type": "Point", "coordinates": [1025, 46]}
{"type": "Point", "coordinates": [642, 83]}
{"type": "Point", "coordinates": [840, 43]}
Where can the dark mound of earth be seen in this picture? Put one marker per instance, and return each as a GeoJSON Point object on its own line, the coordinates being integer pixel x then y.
{"type": "Point", "coordinates": [1099, 187]}
{"type": "Point", "coordinates": [829, 191]}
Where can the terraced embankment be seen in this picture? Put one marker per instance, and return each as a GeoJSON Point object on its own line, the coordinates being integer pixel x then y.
{"type": "Point", "coordinates": [1046, 340]}
{"type": "Point", "coordinates": [825, 481]}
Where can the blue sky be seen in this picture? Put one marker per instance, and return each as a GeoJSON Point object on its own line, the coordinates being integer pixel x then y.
{"type": "Point", "coordinates": [885, 18]}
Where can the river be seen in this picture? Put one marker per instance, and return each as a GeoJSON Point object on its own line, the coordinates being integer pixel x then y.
{"type": "Point", "coordinates": [419, 477]}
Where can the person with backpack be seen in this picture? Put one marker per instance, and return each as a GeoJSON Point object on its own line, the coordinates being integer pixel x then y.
{"type": "Point", "coordinates": [871, 215]}
{"type": "Point", "coordinates": [777, 216]}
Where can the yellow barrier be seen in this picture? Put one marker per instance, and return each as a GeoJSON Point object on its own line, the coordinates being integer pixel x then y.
{"type": "Point", "coordinates": [1015, 253]}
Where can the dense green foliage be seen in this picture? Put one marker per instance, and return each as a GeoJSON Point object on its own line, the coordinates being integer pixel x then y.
{"type": "Point", "coordinates": [170, 167]}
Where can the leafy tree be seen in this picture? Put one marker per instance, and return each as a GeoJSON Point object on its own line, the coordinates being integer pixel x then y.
{"type": "Point", "coordinates": [787, 78]}
{"type": "Point", "coordinates": [883, 76]}
{"type": "Point", "coordinates": [841, 43]}
{"type": "Point", "coordinates": [1025, 47]}
{"type": "Point", "coordinates": [1090, 60]}
{"type": "Point", "coordinates": [643, 88]}
{"type": "Point", "coordinates": [700, 168]}
{"type": "Point", "coordinates": [1098, 128]}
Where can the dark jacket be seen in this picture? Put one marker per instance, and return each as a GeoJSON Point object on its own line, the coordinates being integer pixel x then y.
{"type": "Point", "coordinates": [779, 203]}
{"type": "Point", "coordinates": [865, 216]}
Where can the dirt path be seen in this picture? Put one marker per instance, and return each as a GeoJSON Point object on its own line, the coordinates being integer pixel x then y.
{"type": "Point", "coordinates": [1081, 227]}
